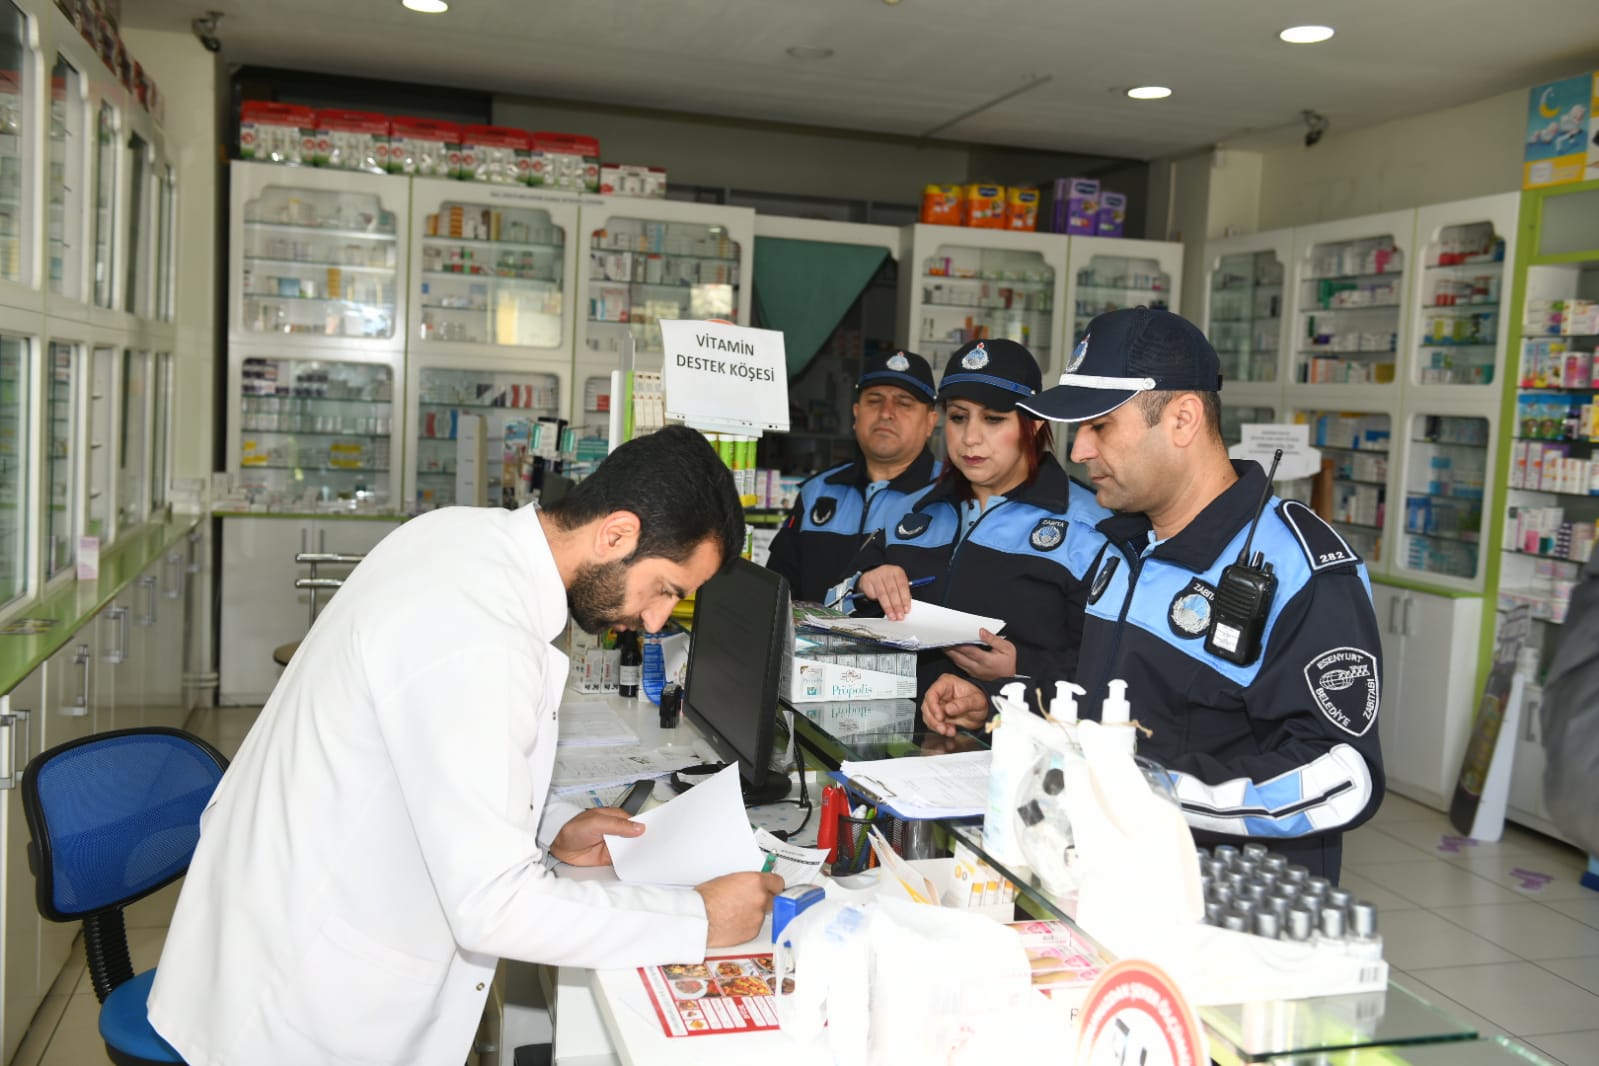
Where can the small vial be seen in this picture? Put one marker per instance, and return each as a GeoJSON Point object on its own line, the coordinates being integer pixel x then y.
{"type": "Point", "coordinates": [1236, 881]}
{"type": "Point", "coordinates": [1204, 856]}
{"type": "Point", "coordinates": [1268, 925]}
{"type": "Point", "coordinates": [1284, 890]}
{"type": "Point", "coordinates": [1317, 887]}
{"type": "Point", "coordinates": [1333, 929]}
{"type": "Point", "coordinates": [1340, 898]}
{"type": "Point", "coordinates": [1218, 869]}
{"type": "Point", "coordinates": [1256, 852]}
{"type": "Point", "coordinates": [1245, 905]}
{"type": "Point", "coordinates": [1275, 863]}
{"type": "Point", "coordinates": [1280, 907]}
{"type": "Point", "coordinates": [1364, 941]}
{"type": "Point", "coordinates": [1296, 874]}
{"type": "Point", "coordinates": [1247, 866]}
{"type": "Point", "coordinates": [1214, 910]}
{"type": "Point", "coordinates": [1255, 891]}
{"type": "Point", "coordinates": [1238, 923]}
{"type": "Point", "coordinates": [1221, 893]}
{"type": "Point", "coordinates": [1225, 852]}
{"type": "Point", "coordinates": [1301, 924]}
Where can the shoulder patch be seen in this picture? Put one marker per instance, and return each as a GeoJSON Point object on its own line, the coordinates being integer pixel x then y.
{"type": "Point", "coordinates": [822, 510]}
{"type": "Point", "coordinates": [1345, 684]}
{"type": "Point", "coordinates": [912, 524]}
{"type": "Point", "coordinates": [1048, 535]}
{"type": "Point", "coordinates": [1321, 543]}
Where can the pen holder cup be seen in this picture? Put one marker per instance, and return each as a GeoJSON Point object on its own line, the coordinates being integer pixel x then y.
{"type": "Point", "coordinates": [854, 851]}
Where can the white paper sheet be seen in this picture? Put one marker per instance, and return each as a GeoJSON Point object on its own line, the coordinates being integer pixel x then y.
{"type": "Point", "coordinates": [936, 786]}
{"type": "Point", "coordinates": [925, 626]}
{"type": "Point", "coordinates": [700, 834]}
{"type": "Point", "coordinates": [582, 769]}
{"type": "Point", "coordinates": [794, 864]}
{"type": "Point", "coordinates": [592, 724]}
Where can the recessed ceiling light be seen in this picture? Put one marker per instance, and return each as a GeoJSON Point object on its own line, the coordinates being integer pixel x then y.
{"type": "Point", "coordinates": [1149, 92]}
{"type": "Point", "coordinates": [1306, 34]}
{"type": "Point", "coordinates": [805, 51]}
{"type": "Point", "coordinates": [426, 7]}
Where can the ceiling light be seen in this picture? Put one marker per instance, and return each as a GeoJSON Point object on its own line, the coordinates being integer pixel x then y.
{"type": "Point", "coordinates": [1149, 92]}
{"type": "Point", "coordinates": [805, 51]}
{"type": "Point", "coordinates": [426, 7]}
{"type": "Point", "coordinates": [1306, 34]}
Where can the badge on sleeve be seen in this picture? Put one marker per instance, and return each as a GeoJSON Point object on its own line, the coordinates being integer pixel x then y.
{"type": "Point", "coordinates": [1048, 535]}
{"type": "Point", "coordinates": [1189, 613]}
{"type": "Point", "coordinates": [822, 511]}
{"type": "Point", "coordinates": [1322, 545]}
{"type": "Point", "coordinates": [1345, 685]}
{"type": "Point", "coordinates": [912, 525]}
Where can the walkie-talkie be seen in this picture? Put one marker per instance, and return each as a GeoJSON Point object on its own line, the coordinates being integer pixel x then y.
{"type": "Point", "coordinates": [1243, 596]}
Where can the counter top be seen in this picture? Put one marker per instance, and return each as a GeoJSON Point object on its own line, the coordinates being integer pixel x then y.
{"type": "Point", "coordinates": [70, 603]}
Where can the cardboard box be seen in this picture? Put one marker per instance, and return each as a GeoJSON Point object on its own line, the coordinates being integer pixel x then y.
{"type": "Point", "coordinates": [1021, 209]}
{"type": "Point", "coordinates": [277, 133]}
{"type": "Point", "coordinates": [627, 179]}
{"type": "Point", "coordinates": [941, 205]}
{"type": "Point", "coordinates": [1075, 208]}
{"type": "Point", "coordinates": [1112, 217]}
{"type": "Point", "coordinates": [830, 667]}
{"type": "Point", "coordinates": [983, 206]}
{"type": "Point", "coordinates": [564, 161]}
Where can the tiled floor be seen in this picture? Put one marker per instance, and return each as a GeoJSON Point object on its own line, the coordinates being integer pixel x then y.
{"type": "Point", "coordinates": [1463, 929]}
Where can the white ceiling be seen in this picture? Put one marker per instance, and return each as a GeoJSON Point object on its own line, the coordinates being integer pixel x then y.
{"type": "Point", "coordinates": [909, 68]}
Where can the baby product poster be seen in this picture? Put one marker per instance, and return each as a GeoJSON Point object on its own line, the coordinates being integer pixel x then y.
{"type": "Point", "coordinates": [1558, 132]}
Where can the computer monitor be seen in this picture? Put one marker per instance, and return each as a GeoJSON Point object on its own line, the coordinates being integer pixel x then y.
{"type": "Point", "coordinates": [735, 661]}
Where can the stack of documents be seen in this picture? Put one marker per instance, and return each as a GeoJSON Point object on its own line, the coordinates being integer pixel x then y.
{"type": "Point", "coordinates": [592, 724]}
{"type": "Point", "coordinates": [937, 786]}
{"type": "Point", "coordinates": [925, 626]}
{"type": "Point", "coordinates": [582, 769]}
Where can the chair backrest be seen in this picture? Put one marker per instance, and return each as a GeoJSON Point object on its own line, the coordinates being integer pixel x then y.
{"type": "Point", "coordinates": [115, 816]}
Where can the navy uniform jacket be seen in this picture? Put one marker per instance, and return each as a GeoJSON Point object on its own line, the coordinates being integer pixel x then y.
{"type": "Point", "coordinates": [825, 528]}
{"type": "Point", "coordinates": [1284, 749]}
{"type": "Point", "coordinates": [1025, 560]}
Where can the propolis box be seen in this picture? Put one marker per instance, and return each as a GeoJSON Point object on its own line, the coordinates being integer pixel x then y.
{"type": "Point", "coordinates": [833, 666]}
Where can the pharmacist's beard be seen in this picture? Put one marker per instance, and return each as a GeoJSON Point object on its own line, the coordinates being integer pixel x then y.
{"type": "Point", "coordinates": [597, 595]}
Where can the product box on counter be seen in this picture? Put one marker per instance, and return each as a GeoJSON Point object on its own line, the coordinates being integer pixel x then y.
{"type": "Point", "coordinates": [828, 667]}
{"type": "Point", "coordinates": [629, 179]}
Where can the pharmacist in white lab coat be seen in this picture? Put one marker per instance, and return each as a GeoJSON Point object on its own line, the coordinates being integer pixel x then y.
{"type": "Point", "coordinates": [383, 836]}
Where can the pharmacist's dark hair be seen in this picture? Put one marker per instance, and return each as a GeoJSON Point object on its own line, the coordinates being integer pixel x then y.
{"type": "Point", "coordinates": [674, 481]}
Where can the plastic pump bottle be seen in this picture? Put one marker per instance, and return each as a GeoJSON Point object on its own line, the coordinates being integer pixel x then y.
{"type": "Point", "coordinates": [1063, 708]}
{"type": "Point", "coordinates": [1117, 713]}
{"type": "Point", "coordinates": [1012, 757]}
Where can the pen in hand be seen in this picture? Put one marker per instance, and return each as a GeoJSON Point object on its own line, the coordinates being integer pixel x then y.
{"type": "Point", "coordinates": [771, 861]}
{"type": "Point", "coordinates": [915, 583]}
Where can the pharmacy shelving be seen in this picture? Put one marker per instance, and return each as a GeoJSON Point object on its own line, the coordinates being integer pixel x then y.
{"type": "Point", "coordinates": [21, 143]}
{"type": "Point", "coordinates": [1460, 333]}
{"type": "Point", "coordinates": [317, 258]}
{"type": "Point", "coordinates": [66, 263]}
{"type": "Point", "coordinates": [136, 400]}
{"type": "Point", "coordinates": [1361, 446]}
{"type": "Point", "coordinates": [960, 284]}
{"type": "Point", "coordinates": [645, 260]}
{"type": "Point", "coordinates": [1347, 302]}
{"type": "Point", "coordinates": [16, 458]}
{"type": "Point", "coordinates": [1109, 273]}
{"type": "Point", "coordinates": [1246, 308]}
{"type": "Point", "coordinates": [1442, 476]}
{"type": "Point", "coordinates": [63, 466]}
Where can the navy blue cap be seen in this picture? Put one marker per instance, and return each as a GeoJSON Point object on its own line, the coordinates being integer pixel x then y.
{"type": "Point", "coordinates": [907, 370]}
{"type": "Point", "coordinates": [1126, 352]}
{"type": "Point", "coordinates": [996, 373]}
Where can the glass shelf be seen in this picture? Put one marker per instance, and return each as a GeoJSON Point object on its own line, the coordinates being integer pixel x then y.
{"type": "Point", "coordinates": [311, 264]}
{"type": "Point", "coordinates": [322, 231]}
{"type": "Point", "coordinates": [524, 279]}
{"type": "Point", "coordinates": [1434, 495]}
{"type": "Point", "coordinates": [1462, 538]}
{"type": "Point", "coordinates": [994, 280]}
{"type": "Point", "coordinates": [1337, 310]}
{"type": "Point", "coordinates": [314, 468]}
{"type": "Point", "coordinates": [1465, 266]}
{"type": "Point", "coordinates": [1387, 275]}
{"type": "Point", "coordinates": [542, 246]}
{"type": "Point", "coordinates": [987, 309]}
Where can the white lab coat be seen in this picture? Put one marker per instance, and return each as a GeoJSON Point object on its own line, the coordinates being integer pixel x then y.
{"type": "Point", "coordinates": [376, 846]}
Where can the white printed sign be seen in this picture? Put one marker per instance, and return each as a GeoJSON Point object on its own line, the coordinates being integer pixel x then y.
{"type": "Point", "coordinates": [725, 377]}
{"type": "Point", "coordinates": [1262, 439]}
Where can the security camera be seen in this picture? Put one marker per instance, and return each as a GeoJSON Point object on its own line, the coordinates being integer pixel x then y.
{"type": "Point", "coordinates": [1315, 125]}
{"type": "Point", "coordinates": [205, 28]}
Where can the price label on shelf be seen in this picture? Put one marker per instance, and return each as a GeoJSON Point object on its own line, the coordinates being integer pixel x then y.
{"type": "Point", "coordinates": [1261, 440]}
{"type": "Point", "coordinates": [724, 377]}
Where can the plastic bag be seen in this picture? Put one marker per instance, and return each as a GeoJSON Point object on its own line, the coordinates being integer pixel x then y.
{"type": "Point", "coordinates": [1570, 718]}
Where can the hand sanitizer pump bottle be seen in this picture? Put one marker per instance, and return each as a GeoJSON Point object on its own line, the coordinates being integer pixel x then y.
{"type": "Point", "coordinates": [1012, 747]}
{"type": "Point", "coordinates": [1117, 714]}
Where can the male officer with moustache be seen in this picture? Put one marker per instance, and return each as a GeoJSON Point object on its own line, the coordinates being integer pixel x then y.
{"type": "Point", "coordinates": [894, 416]}
{"type": "Point", "coordinates": [1261, 679]}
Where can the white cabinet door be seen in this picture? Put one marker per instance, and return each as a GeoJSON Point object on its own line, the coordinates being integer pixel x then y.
{"type": "Point", "coordinates": [1429, 673]}
{"type": "Point", "coordinates": [122, 663]}
{"type": "Point", "coordinates": [261, 608]}
{"type": "Point", "coordinates": [164, 651]}
{"type": "Point", "coordinates": [19, 936]}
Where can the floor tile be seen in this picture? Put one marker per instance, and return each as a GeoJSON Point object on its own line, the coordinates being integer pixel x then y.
{"type": "Point", "coordinates": [1430, 837]}
{"type": "Point", "coordinates": [1584, 972]}
{"type": "Point", "coordinates": [1509, 871]}
{"type": "Point", "coordinates": [1584, 908]}
{"type": "Point", "coordinates": [1423, 940]}
{"type": "Point", "coordinates": [1519, 996]}
{"type": "Point", "coordinates": [1365, 888]}
{"type": "Point", "coordinates": [77, 1039]}
{"type": "Point", "coordinates": [1530, 930]}
{"type": "Point", "coordinates": [1484, 1027]}
{"type": "Point", "coordinates": [40, 1031]}
{"type": "Point", "coordinates": [1435, 883]}
{"type": "Point", "coordinates": [1396, 808]}
{"type": "Point", "coordinates": [1573, 1049]}
{"type": "Point", "coordinates": [1369, 844]}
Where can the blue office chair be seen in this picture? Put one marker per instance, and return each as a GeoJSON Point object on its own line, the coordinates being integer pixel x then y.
{"type": "Point", "coordinates": [114, 817]}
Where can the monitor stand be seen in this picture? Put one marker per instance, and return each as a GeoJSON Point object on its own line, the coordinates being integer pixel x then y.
{"type": "Point", "coordinates": [774, 788]}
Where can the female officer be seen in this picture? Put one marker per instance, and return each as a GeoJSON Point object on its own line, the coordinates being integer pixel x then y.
{"type": "Point", "coordinates": [993, 536]}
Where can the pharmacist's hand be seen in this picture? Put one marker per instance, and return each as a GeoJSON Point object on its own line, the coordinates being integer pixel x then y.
{"type": "Point", "coordinates": [889, 586]}
{"type": "Point", "coordinates": [581, 841]}
{"type": "Point", "coordinates": [985, 664]}
{"type": "Point", "coordinates": [735, 906]}
{"type": "Point", "coordinates": [952, 703]}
